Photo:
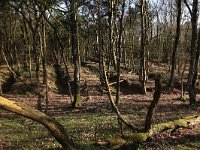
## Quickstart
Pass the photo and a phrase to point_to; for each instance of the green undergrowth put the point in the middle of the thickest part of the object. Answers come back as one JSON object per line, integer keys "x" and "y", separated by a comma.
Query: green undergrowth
{"x": 20, "y": 133}
{"x": 87, "y": 129}
{"x": 90, "y": 128}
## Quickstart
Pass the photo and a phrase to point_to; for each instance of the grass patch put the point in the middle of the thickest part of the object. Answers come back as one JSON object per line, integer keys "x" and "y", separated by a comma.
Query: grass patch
{"x": 25, "y": 134}
{"x": 89, "y": 128}
{"x": 86, "y": 129}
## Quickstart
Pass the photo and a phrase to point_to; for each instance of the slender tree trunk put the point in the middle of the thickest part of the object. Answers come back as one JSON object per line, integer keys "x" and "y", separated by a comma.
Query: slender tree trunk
{"x": 27, "y": 42}
{"x": 182, "y": 82}
{"x": 7, "y": 63}
{"x": 1, "y": 92}
{"x": 196, "y": 62}
{"x": 100, "y": 62}
{"x": 1, "y": 79}
{"x": 75, "y": 53}
{"x": 99, "y": 45}
{"x": 175, "y": 46}
{"x": 37, "y": 65}
{"x": 36, "y": 56}
{"x": 156, "y": 97}
{"x": 5, "y": 50}
{"x": 143, "y": 71}
{"x": 17, "y": 63}
{"x": 114, "y": 107}
{"x": 119, "y": 53}
{"x": 112, "y": 20}
{"x": 44, "y": 67}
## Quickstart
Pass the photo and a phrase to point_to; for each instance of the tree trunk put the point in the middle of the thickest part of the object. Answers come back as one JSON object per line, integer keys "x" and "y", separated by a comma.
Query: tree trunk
{"x": 112, "y": 37}
{"x": 156, "y": 97}
{"x": 196, "y": 62}
{"x": 100, "y": 45}
{"x": 56, "y": 129}
{"x": 143, "y": 71}
{"x": 192, "y": 96}
{"x": 44, "y": 68}
{"x": 182, "y": 97}
{"x": 28, "y": 63}
{"x": 174, "y": 53}
{"x": 1, "y": 93}
{"x": 120, "y": 117}
{"x": 75, "y": 53}
{"x": 119, "y": 53}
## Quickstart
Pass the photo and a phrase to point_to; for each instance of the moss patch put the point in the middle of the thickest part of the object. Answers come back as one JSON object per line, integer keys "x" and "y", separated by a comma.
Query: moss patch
{"x": 137, "y": 137}
{"x": 181, "y": 123}
{"x": 115, "y": 141}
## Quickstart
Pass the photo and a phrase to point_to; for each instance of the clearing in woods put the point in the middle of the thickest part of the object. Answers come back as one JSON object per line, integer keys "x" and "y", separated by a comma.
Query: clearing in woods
{"x": 95, "y": 124}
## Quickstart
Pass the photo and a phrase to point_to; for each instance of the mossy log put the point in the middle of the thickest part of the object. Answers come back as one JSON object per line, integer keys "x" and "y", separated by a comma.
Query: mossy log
{"x": 164, "y": 127}
{"x": 56, "y": 129}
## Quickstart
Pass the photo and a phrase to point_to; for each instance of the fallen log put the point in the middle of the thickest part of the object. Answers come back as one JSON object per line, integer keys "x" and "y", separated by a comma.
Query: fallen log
{"x": 56, "y": 129}
{"x": 164, "y": 127}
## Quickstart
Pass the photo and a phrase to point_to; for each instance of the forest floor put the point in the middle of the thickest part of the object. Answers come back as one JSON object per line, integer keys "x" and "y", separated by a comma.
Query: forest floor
{"x": 95, "y": 122}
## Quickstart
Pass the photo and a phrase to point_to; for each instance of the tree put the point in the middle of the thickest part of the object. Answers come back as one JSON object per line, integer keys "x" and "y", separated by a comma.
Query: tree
{"x": 175, "y": 46}
{"x": 143, "y": 59}
{"x": 75, "y": 52}
{"x": 196, "y": 62}
{"x": 119, "y": 51}
{"x": 1, "y": 80}
{"x": 112, "y": 16}
{"x": 156, "y": 97}
{"x": 42, "y": 36}
{"x": 193, "y": 50}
